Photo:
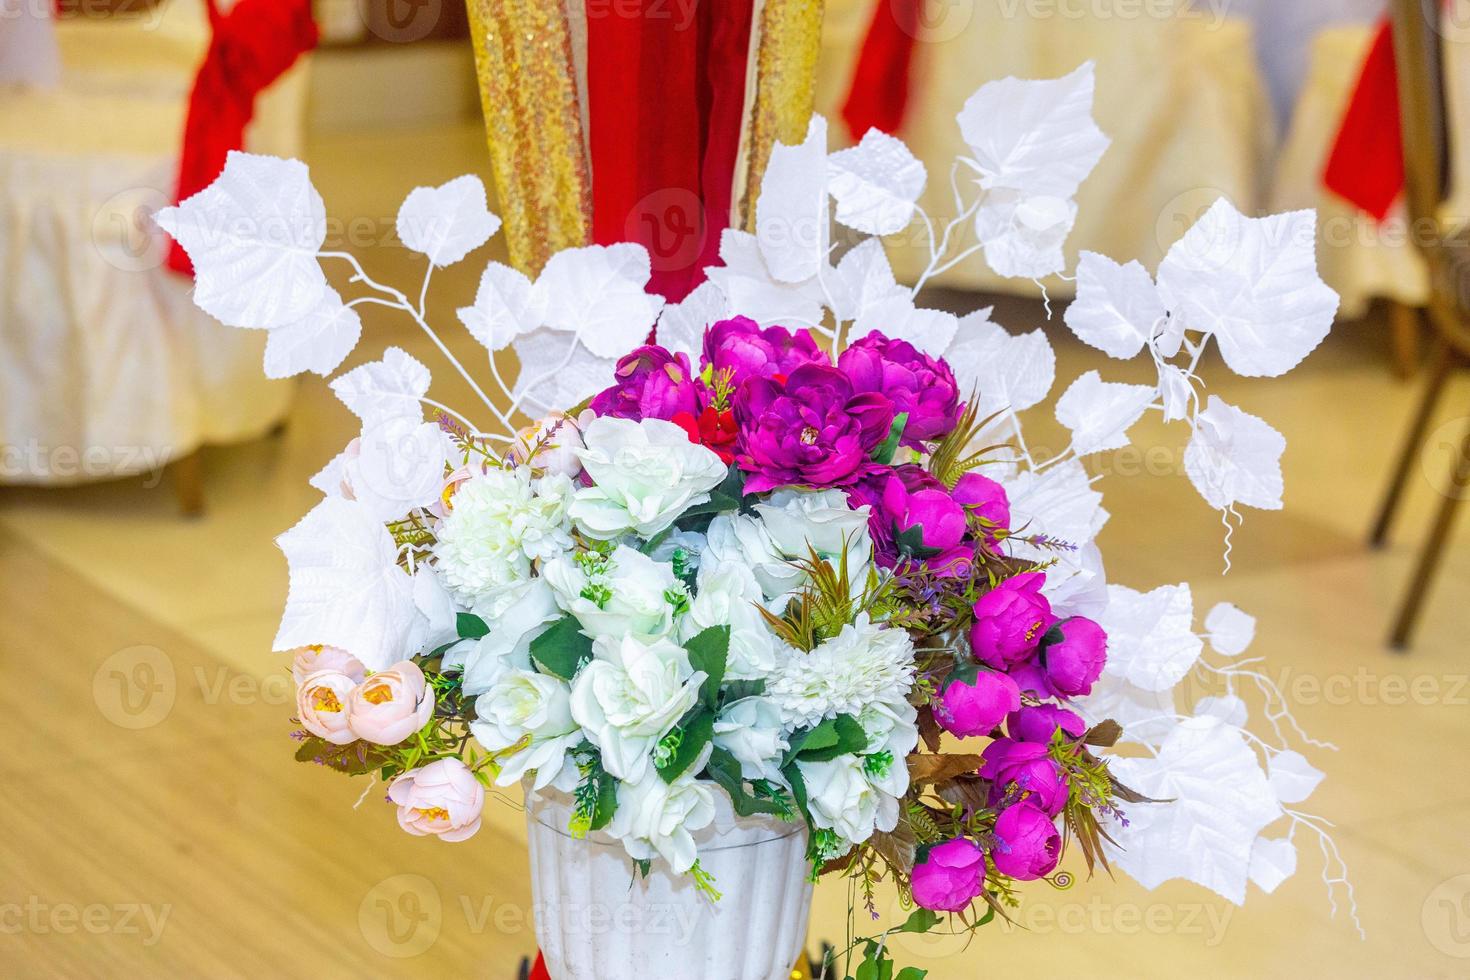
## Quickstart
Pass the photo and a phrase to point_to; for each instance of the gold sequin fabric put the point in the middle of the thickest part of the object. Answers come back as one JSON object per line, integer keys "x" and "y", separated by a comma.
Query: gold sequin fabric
{"x": 786, "y": 66}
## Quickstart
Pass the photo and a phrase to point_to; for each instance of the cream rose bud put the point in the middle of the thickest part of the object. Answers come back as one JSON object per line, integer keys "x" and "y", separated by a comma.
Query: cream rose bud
{"x": 624, "y": 593}
{"x": 507, "y": 646}
{"x": 550, "y": 446}
{"x": 728, "y": 595}
{"x": 309, "y": 660}
{"x": 841, "y": 798}
{"x": 644, "y": 474}
{"x": 442, "y": 799}
{"x": 526, "y": 704}
{"x": 659, "y": 819}
{"x": 391, "y": 704}
{"x": 630, "y": 696}
{"x": 322, "y": 703}
{"x": 751, "y": 731}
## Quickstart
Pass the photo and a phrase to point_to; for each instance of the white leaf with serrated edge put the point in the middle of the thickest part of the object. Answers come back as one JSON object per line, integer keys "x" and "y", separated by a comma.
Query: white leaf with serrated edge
{"x": 681, "y": 325}
{"x": 1023, "y": 235}
{"x": 597, "y": 292}
{"x": 1253, "y": 283}
{"x": 875, "y": 184}
{"x": 346, "y": 589}
{"x": 931, "y": 331}
{"x": 385, "y": 389}
{"x": 1235, "y": 458}
{"x": 557, "y": 371}
{"x": 1272, "y": 862}
{"x": 399, "y": 466}
{"x": 506, "y": 306}
{"x": 1229, "y": 630}
{"x": 1117, "y": 306}
{"x": 750, "y": 289}
{"x": 864, "y": 279}
{"x": 253, "y": 236}
{"x": 1099, "y": 413}
{"x": 1175, "y": 392}
{"x": 319, "y": 342}
{"x": 1059, "y": 504}
{"x": 1292, "y": 777}
{"x": 1151, "y": 640}
{"x": 447, "y": 222}
{"x": 1147, "y": 717}
{"x": 791, "y": 213}
{"x": 1010, "y": 372}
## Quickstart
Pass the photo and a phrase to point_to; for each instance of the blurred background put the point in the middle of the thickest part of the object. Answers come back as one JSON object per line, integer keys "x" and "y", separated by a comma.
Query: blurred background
{"x": 155, "y": 823}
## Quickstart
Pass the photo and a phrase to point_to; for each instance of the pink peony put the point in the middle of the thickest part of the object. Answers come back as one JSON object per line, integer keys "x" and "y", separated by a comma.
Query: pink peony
{"x": 1075, "y": 660}
{"x": 1024, "y": 771}
{"x": 1029, "y": 843}
{"x": 442, "y": 799}
{"x": 973, "y": 709}
{"x": 1010, "y": 621}
{"x": 986, "y": 500}
{"x": 950, "y": 876}
{"x": 309, "y": 660}
{"x": 322, "y": 702}
{"x": 391, "y": 704}
{"x": 1039, "y": 722}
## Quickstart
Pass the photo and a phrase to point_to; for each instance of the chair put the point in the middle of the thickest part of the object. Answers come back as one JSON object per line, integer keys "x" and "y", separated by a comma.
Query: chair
{"x": 1446, "y": 251}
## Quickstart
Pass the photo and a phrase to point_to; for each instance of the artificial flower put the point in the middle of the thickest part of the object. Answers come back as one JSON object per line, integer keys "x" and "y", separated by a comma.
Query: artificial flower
{"x": 624, "y": 593}
{"x": 971, "y": 709}
{"x": 913, "y": 518}
{"x": 1040, "y": 722}
{"x": 659, "y": 819}
{"x": 322, "y": 704}
{"x": 841, "y": 798}
{"x": 985, "y": 500}
{"x": 391, "y": 705}
{"x": 1074, "y": 660}
{"x": 1010, "y": 620}
{"x": 741, "y": 349}
{"x": 1029, "y": 846}
{"x": 550, "y": 445}
{"x": 727, "y": 594}
{"x": 1024, "y": 771}
{"x": 713, "y": 428}
{"x": 863, "y": 665}
{"x": 644, "y": 475}
{"x": 751, "y": 730}
{"x": 950, "y": 876}
{"x": 530, "y": 706}
{"x": 442, "y": 799}
{"x": 920, "y": 386}
{"x": 507, "y": 644}
{"x": 309, "y": 660}
{"x": 651, "y": 383}
{"x": 788, "y": 527}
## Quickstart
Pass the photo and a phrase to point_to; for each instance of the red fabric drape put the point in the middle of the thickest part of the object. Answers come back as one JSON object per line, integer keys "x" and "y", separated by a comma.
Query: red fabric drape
{"x": 878, "y": 95}
{"x": 250, "y": 47}
{"x": 1366, "y": 166}
{"x": 666, "y": 95}
{"x": 538, "y": 972}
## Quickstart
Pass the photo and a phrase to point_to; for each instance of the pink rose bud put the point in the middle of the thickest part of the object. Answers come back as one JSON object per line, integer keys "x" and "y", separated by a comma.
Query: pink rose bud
{"x": 972, "y": 709}
{"x": 1010, "y": 621}
{"x": 322, "y": 703}
{"x": 442, "y": 799}
{"x": 950, "y": 876}
{"x": 1040, "y": 722}
{"x": 1029, "y": 845}
{"x": 1075, "y": 660}
{"x": 391, "y": 705}
{"x": 550, "y": 446}
{"x": 309, "y": 660}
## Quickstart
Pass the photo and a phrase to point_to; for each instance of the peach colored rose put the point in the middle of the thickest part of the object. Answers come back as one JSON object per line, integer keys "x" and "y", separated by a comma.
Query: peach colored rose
{"x": 391, "y": 705}
{"x": 440, "y": 508}
{"x": 550, "y": 445}
{"x": 322, "y": 702}
{"x": 443, "y": 798}
{"x": 309, "y": 660}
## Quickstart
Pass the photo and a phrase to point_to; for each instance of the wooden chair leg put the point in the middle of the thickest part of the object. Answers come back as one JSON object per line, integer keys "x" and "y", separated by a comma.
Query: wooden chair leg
{"x": 1405, "y": 323}
{"x": 1439, "y": 535}
{"x": 1442, "y": 360}
{"x": 188, "y": 481}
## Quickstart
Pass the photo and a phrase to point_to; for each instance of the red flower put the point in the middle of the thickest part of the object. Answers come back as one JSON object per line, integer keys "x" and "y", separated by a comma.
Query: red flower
{"x": 713, "y": 429}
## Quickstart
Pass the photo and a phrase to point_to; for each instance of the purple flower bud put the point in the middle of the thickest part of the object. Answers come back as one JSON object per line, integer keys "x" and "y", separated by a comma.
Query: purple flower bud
{"x": 918, "y": 384}
{"x": 1039, "y": 722}
{"x": 973, "y": 709}
{"x": 741, "y": 346}
{"x": 1024, "y": 771}
{"x": 651, "y": 384}
{"x": 1073, "y": 662}
{"x": 950, "y": 876}
{"x": 1010, "y": 620}
{"x": 1029, "y": 843}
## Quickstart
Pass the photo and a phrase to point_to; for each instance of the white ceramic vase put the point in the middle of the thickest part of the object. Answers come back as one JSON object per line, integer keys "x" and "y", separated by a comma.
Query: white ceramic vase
{"x": 594, "y": 921}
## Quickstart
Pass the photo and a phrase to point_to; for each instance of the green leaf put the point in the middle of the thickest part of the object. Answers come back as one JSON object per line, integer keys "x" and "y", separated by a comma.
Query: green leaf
{"x": 910, "y": 542}
{"x": 740, "y": 690}
{"x": 889, "y": 447}
{"x": 354, "y": 758}
{"x": 725, "y": 497}
{"x": 833, "y": 737}
{"x": 911, "y": 973}
{"x": 921, "y": 921}
{"x": 562, "y": 650}
{"x": 724, "y": 769}
{"x": 695, "y": 732}
{"x": 470, "y": 627}
{"x": 708, "y": 651}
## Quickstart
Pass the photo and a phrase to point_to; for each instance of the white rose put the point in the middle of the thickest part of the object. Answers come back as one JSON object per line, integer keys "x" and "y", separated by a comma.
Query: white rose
{"x": 508, "y": 644}
{"x": 624, "y": 593}
{"x": 645, "y": 474}
{"x": 893, "y": 733}
{"x": 524, "y": 703}
{"x": 793, "y": 523}
{"x": 682, "y": 550}
{"x": 741, "y": 540}
{"x": 842, "y": 799}
{"x": 655, "y": 818}
{"x": 728, "y": 595}
{"x": 751, "y": 731}
{"x": 630, "y": 696}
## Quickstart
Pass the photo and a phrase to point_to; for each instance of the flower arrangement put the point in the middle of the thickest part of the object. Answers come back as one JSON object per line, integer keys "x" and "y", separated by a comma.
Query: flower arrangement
{"x": 795, "y": 550}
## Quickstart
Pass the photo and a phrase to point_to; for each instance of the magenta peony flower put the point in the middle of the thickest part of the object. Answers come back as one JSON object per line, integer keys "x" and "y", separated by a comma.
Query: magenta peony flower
{"x": 916, "y": 383}
{"x": 1010, "y": 620}
{"x": 443, "y": 799}
{"x": 1075, "y": 660}
{"x": 1029, "y": 843}
{"x": 741, "y": 346}
{"x": 972, "y": 709}
{"x": 950, "y": 876}
{"x": 809, "y": 430}
{"x": 1024, "y": 771}
{"x": 986, "y": 499}
{"x": 1039, "y": 722}
{"x": 651, "y": 384}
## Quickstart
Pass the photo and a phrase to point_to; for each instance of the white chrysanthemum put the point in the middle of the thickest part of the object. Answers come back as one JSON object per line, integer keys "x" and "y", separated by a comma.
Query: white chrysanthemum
{"x": 861, "y": 665}
{"x": 499, "y": 523}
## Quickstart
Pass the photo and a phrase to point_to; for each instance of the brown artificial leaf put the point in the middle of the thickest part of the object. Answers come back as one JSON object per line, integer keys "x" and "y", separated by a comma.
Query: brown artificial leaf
{"x": 354, "y": 759}
{"x": 941, "y": 768}
{"x": 897, "y": 847}
{"x": 929, "y": 730}
{"x": 1104, "y": 734}
{"x": 1130, "y": 795}
{"x": 971, "y": 792}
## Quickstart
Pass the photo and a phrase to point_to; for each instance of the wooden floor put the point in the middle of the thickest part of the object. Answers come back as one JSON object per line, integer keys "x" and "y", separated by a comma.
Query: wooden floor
{"x": 154, "y": 823}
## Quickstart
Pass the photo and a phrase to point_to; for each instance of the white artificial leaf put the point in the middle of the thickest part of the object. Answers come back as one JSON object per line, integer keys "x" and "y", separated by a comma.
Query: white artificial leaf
{"x": 875, "y": 184}
{"x": 319, "y": 342}
{"x": 385, "y": 389}
{"x": 1116, "y": 307}
{"x": 1009, "y": 372}
{"x": 346, "y": 589}
{"x": 437, "y": 606}
{"x": 1272, "y": 862}
{"x": 863, "y": 280}
{"x": 399, "y": 466}
{"x": 1100, "y": 412}
{"x": 1227, "y": 707}
{"x": 681, "y": 325}
{"x": 253, "y": 236}
{"x": 750, "y": 289}
{"x": 1151, "y": 640}
{"x": 1230, "y": 631}
{"x": 557, "y": 372}
{"x": 1023, "y": 235}
{"x": 931, "y": 331}
{"x": 1037, "y": 137}
{"x": 1076, "y": 584}
{"x": 1175, "y": 392}
{"x": 1220, "y": 803}
{"x": 1292, "y": 777}
{"x": 1234, "y": 457}
{"x": 598, "y": 292}
{"x": 791, "y": 213}
{"x": 1253, "y": 283}
{"x": 1059, "y": 504}
{"x": 506, "y": 306}
{"x": 332, "y": 480}
{"x": 1147, "y": 717}
{"x": 447, "y": 222}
